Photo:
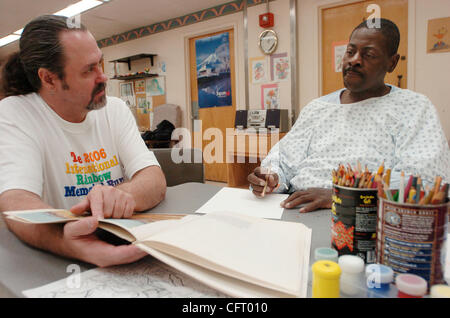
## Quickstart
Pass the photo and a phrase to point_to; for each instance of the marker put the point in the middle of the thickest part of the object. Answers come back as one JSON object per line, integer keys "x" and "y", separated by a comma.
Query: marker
{"x": 401, "y": 190}
{"x": 418, "y": 189}
{"x": 408, "y": 187}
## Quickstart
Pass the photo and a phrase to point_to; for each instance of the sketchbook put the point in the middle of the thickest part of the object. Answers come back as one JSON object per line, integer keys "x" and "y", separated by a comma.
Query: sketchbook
{"x": 238, "y": 255}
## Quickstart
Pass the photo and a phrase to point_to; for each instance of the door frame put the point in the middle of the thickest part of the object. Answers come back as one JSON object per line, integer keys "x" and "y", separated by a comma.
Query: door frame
{"x": 187, "y": 37}
{"x": 322, "y": 5}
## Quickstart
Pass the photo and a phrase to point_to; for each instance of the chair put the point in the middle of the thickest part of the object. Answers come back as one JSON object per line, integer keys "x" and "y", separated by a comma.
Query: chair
{"x": 177, "y": 173}
{"x": 169, "y": 112}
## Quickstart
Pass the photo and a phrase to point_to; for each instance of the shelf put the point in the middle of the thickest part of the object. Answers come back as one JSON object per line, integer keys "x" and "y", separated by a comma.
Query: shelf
{"x": 128, "y": 59}
{"x": 132, "y": 77}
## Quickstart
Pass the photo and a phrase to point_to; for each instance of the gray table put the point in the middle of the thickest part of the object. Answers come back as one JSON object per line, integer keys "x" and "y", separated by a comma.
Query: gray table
{"x": 23, "y": 267}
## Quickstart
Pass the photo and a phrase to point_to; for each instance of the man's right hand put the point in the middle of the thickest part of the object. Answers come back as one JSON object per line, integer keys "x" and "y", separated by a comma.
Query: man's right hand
{"x": 258, "y": 179}
{"x": 81, "y": 243}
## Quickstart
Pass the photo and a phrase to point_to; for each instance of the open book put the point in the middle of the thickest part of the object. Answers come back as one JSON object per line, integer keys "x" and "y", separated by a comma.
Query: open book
{"x": 238, "y": 255}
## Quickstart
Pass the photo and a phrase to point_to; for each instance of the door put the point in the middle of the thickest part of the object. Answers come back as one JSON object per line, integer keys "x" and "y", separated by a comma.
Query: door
{"x": 213, "y": 96}
{"x": 337, "y": 24}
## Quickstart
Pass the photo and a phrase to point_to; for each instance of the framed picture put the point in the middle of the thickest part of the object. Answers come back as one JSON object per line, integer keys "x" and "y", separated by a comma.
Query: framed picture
{"x": 280, "y": 67}
{"x": 127, "y": 93}
{"x": 258, "y": 69}
{"x": 212, "y": 56}
{"x": 270, "y": 96}
{"x": 438, "y": 35}
{"x": 339, "y": 49}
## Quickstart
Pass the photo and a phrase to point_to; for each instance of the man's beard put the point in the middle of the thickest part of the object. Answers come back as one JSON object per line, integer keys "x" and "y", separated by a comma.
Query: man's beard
{"x": 94, "y": 105}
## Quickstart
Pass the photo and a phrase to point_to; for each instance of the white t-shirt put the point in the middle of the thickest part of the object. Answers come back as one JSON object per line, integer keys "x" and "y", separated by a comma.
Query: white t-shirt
{"x": 61, "y": 161}
{"x": 401, "y": 128}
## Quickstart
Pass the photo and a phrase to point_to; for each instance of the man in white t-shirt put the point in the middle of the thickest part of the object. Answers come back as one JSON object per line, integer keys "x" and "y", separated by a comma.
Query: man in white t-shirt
{"x": 64, "y": 144}
{"x": 367, "y": 121}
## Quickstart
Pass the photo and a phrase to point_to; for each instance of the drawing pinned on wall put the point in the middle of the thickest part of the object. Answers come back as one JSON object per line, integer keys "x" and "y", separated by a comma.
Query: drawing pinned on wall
{"x": 270, "y": 96}
{"x": 438, "y": 35}
{"x": 279, "y": 67}
{"x": 139, "y": 86}
{"x": 127, "y": 94}
{"x": 212, "y": 56}
{"x": 155, "y": 86}
{"x": 258, "y": 69}
{"x": 338, "y": 49}
{"x": 142, "y": 104}
{"x": 161, "y": 68}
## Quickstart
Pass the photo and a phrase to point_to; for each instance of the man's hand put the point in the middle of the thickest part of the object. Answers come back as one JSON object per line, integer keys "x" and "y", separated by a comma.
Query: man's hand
{"x": 106, "y": 202}
{"x": 318, "y": 198}
{"x": 80, "y": 242}
{"x": 258, "y": 179}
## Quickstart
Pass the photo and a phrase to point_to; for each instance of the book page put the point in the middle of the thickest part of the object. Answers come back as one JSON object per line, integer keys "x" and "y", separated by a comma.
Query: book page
{"x": 244, "y": 202}
{"x": 263, "y": 252}
{"x": 42, "y": 216}
{"x": 222, "y": 283}
{"x": 143, "y": 279}
{"x": 123, "y": 228}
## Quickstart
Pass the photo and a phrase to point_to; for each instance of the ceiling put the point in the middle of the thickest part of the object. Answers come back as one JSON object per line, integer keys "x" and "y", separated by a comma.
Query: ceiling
{"x": 114, "y": 17}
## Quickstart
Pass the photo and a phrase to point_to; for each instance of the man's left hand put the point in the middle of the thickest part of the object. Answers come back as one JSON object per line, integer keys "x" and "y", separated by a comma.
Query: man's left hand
{"x": 106, "y": 202}
{"x": 317, "y": 198}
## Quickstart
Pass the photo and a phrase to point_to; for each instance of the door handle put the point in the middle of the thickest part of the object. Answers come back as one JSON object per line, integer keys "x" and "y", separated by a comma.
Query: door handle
{"x": 399, "y": 80}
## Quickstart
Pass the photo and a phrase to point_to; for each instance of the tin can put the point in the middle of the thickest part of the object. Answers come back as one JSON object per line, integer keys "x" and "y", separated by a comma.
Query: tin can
{"x": 354, "y": 222}
{"x": 411, "y": 238}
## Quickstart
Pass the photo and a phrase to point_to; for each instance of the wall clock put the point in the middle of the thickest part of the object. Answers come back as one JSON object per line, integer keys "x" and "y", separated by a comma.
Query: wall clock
{"x": 268, "y": 41}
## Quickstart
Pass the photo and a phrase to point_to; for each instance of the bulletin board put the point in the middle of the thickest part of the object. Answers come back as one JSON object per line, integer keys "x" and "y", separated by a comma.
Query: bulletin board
{"x": 144, "y": 98}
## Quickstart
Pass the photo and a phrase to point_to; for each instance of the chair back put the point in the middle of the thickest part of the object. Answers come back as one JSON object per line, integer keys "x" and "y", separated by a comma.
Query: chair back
{"x": 169, "y": 112}
{"x": 178, "y": 173}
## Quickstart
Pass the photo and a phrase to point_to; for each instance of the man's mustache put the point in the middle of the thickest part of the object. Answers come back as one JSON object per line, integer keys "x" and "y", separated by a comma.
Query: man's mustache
{"x": 351, "y": 69}
{"x": 100, "y": 87}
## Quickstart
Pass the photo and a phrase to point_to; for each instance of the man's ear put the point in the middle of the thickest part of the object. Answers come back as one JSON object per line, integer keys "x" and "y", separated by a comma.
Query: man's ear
{"x": 393, "y": 62}
{"x": 48, "y": 79}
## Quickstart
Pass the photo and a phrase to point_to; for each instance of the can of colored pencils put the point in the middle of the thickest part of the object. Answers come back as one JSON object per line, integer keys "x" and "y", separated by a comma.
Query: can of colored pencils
{"x": 354, "y": 221}
{"x": 411, "y": 238}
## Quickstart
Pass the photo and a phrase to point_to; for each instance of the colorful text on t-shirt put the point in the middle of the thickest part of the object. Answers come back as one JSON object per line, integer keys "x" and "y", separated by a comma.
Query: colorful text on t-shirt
{"x": 89, "y": 174}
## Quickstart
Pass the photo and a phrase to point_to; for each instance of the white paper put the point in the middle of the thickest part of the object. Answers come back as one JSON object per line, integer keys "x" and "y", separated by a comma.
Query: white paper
{"x": 144, "y": 279}
{"x": 244, "y": 202}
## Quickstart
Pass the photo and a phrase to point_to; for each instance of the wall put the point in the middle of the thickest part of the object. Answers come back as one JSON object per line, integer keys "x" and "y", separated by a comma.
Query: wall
{"x": 173, "y": 49}
{"x": 432, "y": 71}
{"x": 280, "y": 10}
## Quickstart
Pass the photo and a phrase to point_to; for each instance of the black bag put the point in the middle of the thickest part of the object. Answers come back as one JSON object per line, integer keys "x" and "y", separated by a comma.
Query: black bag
{"x": 163, "y": 131}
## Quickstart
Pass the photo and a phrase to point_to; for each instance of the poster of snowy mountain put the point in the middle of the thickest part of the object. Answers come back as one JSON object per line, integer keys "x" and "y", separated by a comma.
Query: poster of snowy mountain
{"x": 213, "y": 71}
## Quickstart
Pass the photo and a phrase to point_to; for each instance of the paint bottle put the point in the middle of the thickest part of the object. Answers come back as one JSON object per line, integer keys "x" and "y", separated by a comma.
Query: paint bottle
{"x": 378, "y": 281}
{"x": 325, "y": 282}
{"x": 325, "y": 253}
{"x": 351, "y": 278}
{"x": 410, "y": 286}
{"x": 440, "y": 291}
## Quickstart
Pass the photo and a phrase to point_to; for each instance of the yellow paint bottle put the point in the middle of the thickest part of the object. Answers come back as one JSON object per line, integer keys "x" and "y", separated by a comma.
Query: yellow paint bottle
{"x": 325, "y": 283}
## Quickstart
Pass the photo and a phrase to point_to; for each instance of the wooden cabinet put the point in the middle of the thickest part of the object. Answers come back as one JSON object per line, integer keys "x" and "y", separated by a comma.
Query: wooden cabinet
{"x": 244, "y": 152}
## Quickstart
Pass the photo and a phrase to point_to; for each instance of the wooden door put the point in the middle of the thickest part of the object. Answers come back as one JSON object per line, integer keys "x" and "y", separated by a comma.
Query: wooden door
{"x": 338, "y": 23}
{"x": 220, "y": 117}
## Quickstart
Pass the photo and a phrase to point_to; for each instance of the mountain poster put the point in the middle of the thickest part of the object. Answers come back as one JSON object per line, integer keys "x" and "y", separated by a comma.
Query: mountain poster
{"x": 213, "y": 71}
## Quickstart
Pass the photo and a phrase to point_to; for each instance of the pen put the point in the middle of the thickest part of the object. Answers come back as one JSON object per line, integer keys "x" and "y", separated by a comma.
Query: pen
{"x": 267, "y": 181}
